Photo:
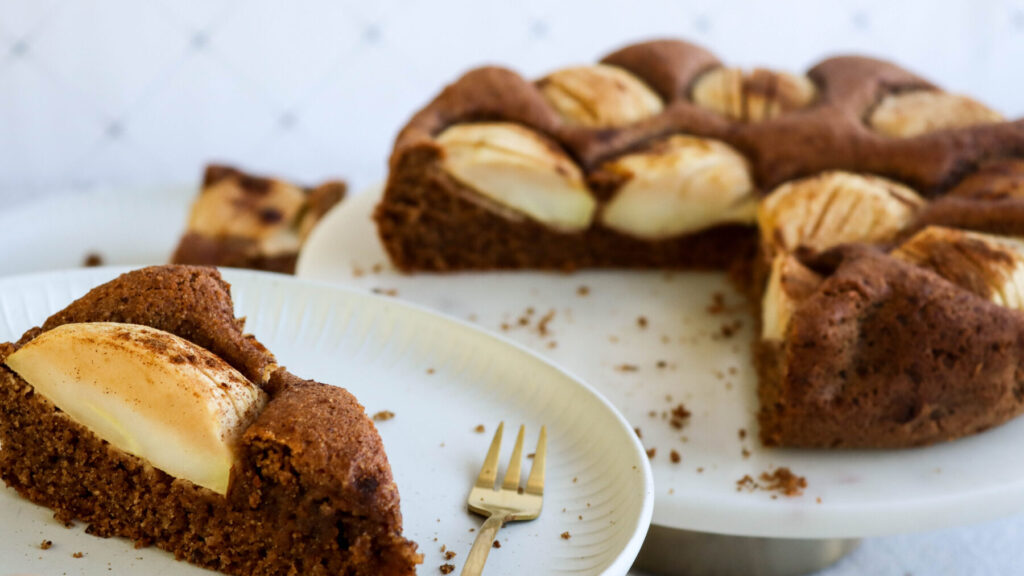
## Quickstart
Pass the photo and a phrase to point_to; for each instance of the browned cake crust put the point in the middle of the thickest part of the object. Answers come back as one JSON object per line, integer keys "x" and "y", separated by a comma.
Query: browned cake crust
{"x": 837, "y": 380}
{"x": 990, "y": 200}
{"x": 305, "y": 496}
{"x": 426, "y": 223}
{"x": 238, "y": 251}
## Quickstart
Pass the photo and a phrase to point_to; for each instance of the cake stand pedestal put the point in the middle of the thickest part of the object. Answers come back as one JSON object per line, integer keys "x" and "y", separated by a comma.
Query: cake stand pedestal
{"x": 671, "y": 552}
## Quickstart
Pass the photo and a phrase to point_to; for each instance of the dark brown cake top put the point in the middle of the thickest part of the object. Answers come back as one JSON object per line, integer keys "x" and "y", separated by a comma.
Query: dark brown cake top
{"x": 830, "y": 133}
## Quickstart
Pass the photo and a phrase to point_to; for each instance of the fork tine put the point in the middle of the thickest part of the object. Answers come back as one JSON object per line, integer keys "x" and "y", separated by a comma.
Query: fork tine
{"x": 512, "y": 475}
{"x": 489, "y": 472}
{"x": 535, "y": 483}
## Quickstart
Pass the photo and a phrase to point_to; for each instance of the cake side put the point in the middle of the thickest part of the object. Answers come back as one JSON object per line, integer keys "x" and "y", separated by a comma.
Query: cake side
{"x": 354, "y": 511}
{"x": 885, "y": 354}
{"x": 430, "y": 221}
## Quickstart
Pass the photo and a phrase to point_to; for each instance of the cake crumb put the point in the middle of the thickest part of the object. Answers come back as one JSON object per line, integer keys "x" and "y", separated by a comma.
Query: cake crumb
{"x": 785, "y": 481}
{"x": 717, "y": 305}
{"x": 46, "y": 544}
{"x": 746, "y": 483}
{"x": 430, "y": 370}
{"x": 728, "y": 330}
{"x": 679, "y": 417}
{"x": 385, "y": 291}
{"x": 449, "y": 554}
{"x": 781, "y": 480}
{"x": 479, "y": 429}
{"x": 552, "y": 345}
{"x": 651, "y": 452}
{"x": 639, "y": 434}
{"x": 92, "y": 260}
{"x": 575, "y": 479}
{"x": 662, "y": 364}
{"x": 377, "y": 268}
{"x": 700, "y": 470}
{"x": 447, "y": 568}
{"x": 78, "y": 555}
{"x": 641, "y": 321}
{"x": 745, "y": 453}
{"x": 675, "y": 457}
{"x": 542, "y": 326}
{"x": 496, "y": 544}
{"x": 583, "y": 290}
{"x": 627, "y": 367}
{"x": 383, "y": 416}
{"x": 742, "y": 433}
{"x": 357, "y": 272}
{"x": 566, "y": 535}
{"x": 818, "y": 499}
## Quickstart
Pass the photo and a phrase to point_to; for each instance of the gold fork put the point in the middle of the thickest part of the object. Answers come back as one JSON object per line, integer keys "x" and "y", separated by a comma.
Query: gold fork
{"x": 509, "y": 504}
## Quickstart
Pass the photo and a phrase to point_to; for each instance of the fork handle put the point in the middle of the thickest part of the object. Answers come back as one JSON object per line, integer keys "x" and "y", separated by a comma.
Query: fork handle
{"x": 474, "y": 565}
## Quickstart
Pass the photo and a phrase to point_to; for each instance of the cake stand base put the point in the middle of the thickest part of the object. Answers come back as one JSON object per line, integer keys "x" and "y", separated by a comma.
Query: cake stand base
{"x": 671, "y": 552}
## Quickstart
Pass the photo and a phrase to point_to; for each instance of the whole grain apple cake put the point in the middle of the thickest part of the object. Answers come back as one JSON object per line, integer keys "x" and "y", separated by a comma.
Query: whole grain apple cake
{"x": 241, "y": 220}
{"x": 868, "y": 213}
{"x": 143, "y": 410}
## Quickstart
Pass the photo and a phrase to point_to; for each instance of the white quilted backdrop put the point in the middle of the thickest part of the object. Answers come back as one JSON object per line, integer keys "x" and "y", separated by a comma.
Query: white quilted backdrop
{"x": 137, "y": 93}
{"x": 131, "y": 93}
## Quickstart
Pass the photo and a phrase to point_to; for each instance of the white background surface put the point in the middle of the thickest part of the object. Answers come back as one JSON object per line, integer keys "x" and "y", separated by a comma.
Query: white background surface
{"x": 96, "y": 92}
{"x": 142, "y": 93}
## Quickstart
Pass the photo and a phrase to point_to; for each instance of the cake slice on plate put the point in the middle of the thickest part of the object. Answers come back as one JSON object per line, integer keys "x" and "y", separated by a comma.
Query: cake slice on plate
{"x": 143, "y": 410}
{"x": 245, "y": 221}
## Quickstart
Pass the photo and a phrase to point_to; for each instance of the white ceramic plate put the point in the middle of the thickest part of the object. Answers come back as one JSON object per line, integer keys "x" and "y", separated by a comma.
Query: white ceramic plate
{"x": 864, "y": 493}
{"x": 123, "y": 227}
{"x": 598, "y": 485}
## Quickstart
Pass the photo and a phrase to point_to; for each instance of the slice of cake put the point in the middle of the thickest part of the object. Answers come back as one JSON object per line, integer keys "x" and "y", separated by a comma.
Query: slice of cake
{"x": 245, "y": 221}
{"x": 143, "y": 410}
{"x": 660, "y": 156}
{"x": 863, "y": 348}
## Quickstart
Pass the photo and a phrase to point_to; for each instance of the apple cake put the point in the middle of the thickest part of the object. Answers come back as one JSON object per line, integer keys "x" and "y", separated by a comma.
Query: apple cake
{"x": 143, "y": 410}
{"x": 868, "y": 214}
{"x": 245, "y": 221}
